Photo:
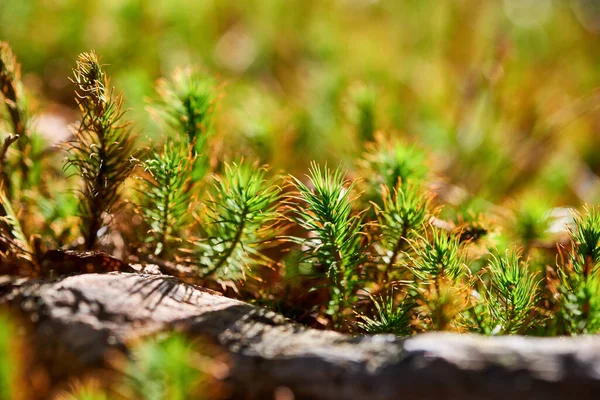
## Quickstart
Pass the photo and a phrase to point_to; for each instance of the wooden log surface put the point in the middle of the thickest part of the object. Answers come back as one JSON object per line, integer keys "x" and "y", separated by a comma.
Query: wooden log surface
{"x": 80, "y": 317}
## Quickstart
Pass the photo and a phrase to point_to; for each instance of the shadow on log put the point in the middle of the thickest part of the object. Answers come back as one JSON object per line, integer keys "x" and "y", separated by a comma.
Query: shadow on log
{"x": 80, "y": 318}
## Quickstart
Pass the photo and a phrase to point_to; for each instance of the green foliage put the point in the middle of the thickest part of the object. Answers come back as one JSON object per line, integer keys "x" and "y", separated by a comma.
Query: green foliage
{"x": 27, "y": 168}
{"x": 389, "y": 317}
{"x": 401, "y": 219}
{"x": 15, "y": 101}
{"x": 165, "y": 199}
{"x": 239, "y": 220}
{"x": 59, "y": 213}
{"x": 4, "y": 175}
{"x": 531, "y": 221}
{"x": 12, "y": 89}
{"x": 335, "y": 241}
{"x": 9, "y": 366}
{"x": 579, "y": 279}
{"x": 168, "y": 368}
{"x": 512, "y": 294}
{"x": 363, "y": 111}
{"x": 390, "y": 162}
{"x": 439, "y": 256}
{"x": 103, "y": 146}
{"x": 440, "y": 287}
{"x": 580, "y": 303}
{"x": 586, "y": 238}
{"x": 15, "y": 250}
{"x": 186, "y": 108}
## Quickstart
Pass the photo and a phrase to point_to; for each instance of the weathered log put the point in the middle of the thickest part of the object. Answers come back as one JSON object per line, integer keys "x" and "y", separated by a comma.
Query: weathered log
{"x": 85, "y": 315}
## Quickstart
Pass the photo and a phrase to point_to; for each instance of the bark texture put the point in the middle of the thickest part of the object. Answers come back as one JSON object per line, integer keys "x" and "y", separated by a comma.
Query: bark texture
{"x": 80, "y": 318}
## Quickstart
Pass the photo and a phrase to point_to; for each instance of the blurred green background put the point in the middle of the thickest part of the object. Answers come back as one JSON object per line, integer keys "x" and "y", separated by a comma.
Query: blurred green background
{"x": 501, "y": 94}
